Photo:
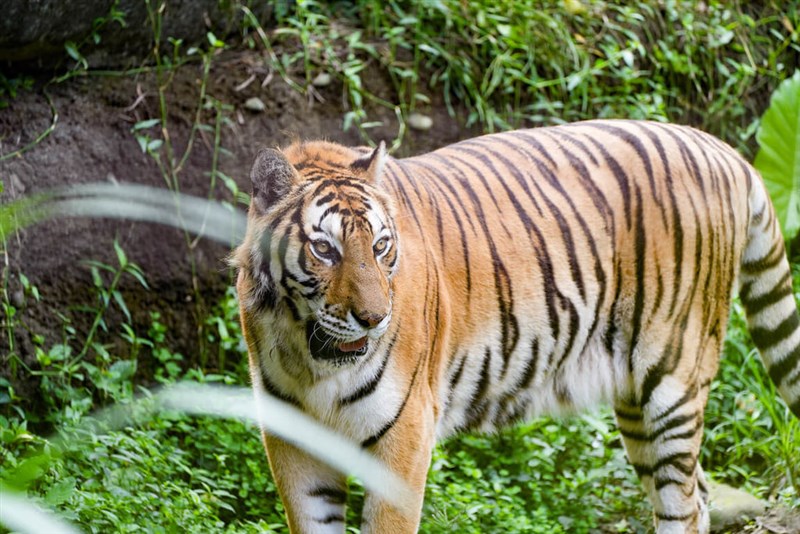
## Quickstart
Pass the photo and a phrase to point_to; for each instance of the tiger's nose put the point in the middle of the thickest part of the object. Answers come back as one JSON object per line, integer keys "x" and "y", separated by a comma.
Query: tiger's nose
{"x": 369, "y": 319}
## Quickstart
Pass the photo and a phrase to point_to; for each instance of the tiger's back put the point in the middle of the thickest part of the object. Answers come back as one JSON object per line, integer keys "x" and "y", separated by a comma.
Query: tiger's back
{"x": 516, "y": 274}
{"x": 572, "y": 257}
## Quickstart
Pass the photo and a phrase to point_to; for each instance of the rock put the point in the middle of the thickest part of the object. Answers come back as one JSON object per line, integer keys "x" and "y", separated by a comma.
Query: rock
{"x": 730, "y": 506}
{"x": 255, "y": 104}
{"x": 418, "y": 121}
{"x": 322, "y": 79}
{"x": 18, "y": 298}
{"x": 15, "y": 186}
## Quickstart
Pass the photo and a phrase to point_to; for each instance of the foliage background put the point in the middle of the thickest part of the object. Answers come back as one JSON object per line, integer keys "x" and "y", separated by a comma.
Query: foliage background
{"x": 493, "y": 65}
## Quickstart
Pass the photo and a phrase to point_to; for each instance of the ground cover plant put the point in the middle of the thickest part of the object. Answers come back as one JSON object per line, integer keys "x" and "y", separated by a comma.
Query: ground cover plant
{"x": 501, "y": 64}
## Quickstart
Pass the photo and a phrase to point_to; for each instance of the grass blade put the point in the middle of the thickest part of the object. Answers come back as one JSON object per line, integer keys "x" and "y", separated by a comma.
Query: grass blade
{"x": 23, "y": 515}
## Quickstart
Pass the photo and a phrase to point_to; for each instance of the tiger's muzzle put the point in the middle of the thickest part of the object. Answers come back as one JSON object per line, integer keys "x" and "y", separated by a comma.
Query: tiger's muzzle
{"x": 326, "y": 347}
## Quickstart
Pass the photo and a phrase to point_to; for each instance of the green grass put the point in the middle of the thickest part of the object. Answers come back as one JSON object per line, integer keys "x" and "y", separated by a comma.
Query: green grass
{"x": 172, "y": 471}
{"x": 514, "y": 63}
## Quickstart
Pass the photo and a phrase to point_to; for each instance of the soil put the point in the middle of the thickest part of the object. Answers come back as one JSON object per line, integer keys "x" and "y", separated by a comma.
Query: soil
{"x": 93, "y": 141}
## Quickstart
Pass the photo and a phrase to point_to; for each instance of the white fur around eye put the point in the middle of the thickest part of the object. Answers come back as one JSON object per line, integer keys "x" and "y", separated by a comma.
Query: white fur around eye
{"x": 324, "y": 250}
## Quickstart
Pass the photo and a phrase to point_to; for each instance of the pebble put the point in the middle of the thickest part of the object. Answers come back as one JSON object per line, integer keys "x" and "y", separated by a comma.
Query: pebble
{"x": 418, "y": 121}
{"x": 322, "y": 79}
{"x": 18, "y": 299}
{"x": 255, "y": 104}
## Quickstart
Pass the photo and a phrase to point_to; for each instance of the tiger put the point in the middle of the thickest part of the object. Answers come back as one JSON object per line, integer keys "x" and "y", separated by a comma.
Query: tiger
{"x": 518, "y": 274}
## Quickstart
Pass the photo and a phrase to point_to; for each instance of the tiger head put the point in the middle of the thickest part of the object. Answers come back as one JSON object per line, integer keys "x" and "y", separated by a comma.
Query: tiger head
{"x": 322, "y": 247}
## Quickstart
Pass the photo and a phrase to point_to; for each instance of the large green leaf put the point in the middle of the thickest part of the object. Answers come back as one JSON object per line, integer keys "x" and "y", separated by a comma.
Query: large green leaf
{"x": 778, "y": 159}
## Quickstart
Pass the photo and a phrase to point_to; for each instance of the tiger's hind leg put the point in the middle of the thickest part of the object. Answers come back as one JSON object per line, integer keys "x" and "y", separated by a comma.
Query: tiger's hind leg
{"x": 662, "y": 439}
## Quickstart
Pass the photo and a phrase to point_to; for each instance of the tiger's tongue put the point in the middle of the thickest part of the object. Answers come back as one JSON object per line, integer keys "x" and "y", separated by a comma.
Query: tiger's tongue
{"x": 352, "y": 346}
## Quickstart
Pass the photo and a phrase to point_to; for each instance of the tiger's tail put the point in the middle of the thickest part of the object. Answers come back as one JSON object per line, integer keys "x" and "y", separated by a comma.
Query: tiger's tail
{"x": 767, "y": 294}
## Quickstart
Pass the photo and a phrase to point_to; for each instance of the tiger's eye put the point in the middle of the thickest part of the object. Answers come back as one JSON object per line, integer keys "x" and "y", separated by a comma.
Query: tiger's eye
{"x": 322, "y": 247}
{"x": 381, "y": 245}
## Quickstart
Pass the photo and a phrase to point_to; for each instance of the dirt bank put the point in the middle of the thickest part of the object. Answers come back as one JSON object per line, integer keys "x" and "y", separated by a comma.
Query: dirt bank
{"x": 93, "y": 141}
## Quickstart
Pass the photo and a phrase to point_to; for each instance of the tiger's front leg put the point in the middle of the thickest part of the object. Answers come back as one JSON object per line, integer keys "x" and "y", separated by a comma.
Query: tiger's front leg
{"x": 406, "y": 450}
{"x": 313, "y": 494}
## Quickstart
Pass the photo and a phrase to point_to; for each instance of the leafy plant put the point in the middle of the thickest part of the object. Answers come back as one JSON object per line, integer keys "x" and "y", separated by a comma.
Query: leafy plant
{"x": 778, "y": 159}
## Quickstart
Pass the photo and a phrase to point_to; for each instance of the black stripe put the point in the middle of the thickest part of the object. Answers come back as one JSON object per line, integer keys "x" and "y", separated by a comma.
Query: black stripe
{"x": 781, "y": 290}
{"x": 326, "y": 198}
{"x": 597, "y": 195}
{"x": 623, "y": 413}
{"x": 330, "y": 495}
{"x": 503, "y": 290}
{"x": 506, "y": 414}
{"x": 678, "y": 460}
{"x": 686, "y": 434}
{"x": 332, "y": 518}
{"x": 455, "y": 379}
{"x": 670, "y": 517}
{"x": 372, "y": 440}
{"x": 611, "y": 330}
{"x": 661, "y": 431}
{"x": 659, "y": 286}
{"x": 765, "y": 338}
{"x": 530, "y": 366}
{"x": 664, "y": 482}
{"x": 270, "y": 388}
{"x": 795, "y": 407}
{"x": 529, "y": 136}
{"x": 662, "y": 155}
{"x": 768, "y": 261}
{"x": 688, "y": 158}
{"x": 640, "y": 246}
{"x": 416, "y": 186}
{"x": 666, "y": 364}
{"x": 395, "y": 181}
{"x": 483, "y": 384}
{"x": 677, "y": 225}
{"x": 793, "y": 379}
{"x": 543, "y": 258}
{"x": 265, "y": 293}
{"x": 601, "y": 204}
{"x": 564, "y": 226}
{"x": 619, "y": 174}
{"x": 635, "y": 435}
{"x": 479, "y": 404}
{"x": 685, "y": 462}
{"x": 728, "y": 197}
{"x": 369, "y": 387}
{"x": 463, "y": 149}
{"x": 755, "y": 219}
{"x": 598, "y": 199}
{"x": 701, "y": 483}
{"x": 464, "y": 242}
{"x": 690, "y": 394}
{"x": 779, "y": 372}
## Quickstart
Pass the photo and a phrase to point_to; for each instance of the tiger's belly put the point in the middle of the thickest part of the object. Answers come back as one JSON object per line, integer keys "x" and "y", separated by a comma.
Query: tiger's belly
{"x": 483, "y": 394}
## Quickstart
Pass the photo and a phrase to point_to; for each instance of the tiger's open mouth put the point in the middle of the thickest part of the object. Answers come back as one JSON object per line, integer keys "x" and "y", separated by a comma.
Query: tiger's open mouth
{"x": 323, "y": 346}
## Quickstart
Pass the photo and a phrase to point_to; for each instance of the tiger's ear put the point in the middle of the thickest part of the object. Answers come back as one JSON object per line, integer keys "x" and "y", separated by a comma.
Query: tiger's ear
{"x": 272, "y": 176}
{"x": 371, "y": 165}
